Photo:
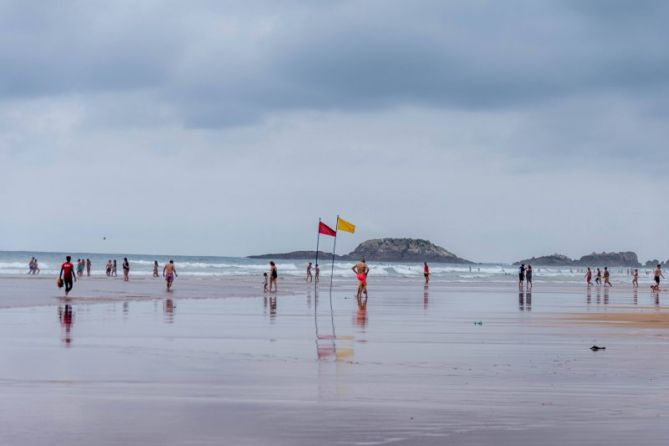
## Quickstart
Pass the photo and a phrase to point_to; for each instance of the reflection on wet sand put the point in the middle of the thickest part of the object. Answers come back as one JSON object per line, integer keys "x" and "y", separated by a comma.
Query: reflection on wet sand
{"x": 525, "y": 301}
{"x": 426, "y": 296}
{"x": 169, "y": 310}
{"x": 635, "y": 296}
{"x": 588, "y": 296}
{"x": 273, "y": 301}
{"x": 361, "y": 314}
{"x": 606, "y": 296}
{"x": 66, "y": 317}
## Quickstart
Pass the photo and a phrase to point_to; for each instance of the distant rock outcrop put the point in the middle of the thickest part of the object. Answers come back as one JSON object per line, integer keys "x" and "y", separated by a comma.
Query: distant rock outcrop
{"x": 551, "y": 260}
{"x": 627, "y": 258}
{"x": 602, "y": 259}
{"x": 403, "y": 250}
{"x": 381, "y": 250}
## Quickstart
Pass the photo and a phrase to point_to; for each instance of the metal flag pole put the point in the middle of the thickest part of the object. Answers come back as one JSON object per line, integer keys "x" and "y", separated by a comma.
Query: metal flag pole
{"x": 334, "y": 250}
{"x": 318, "y": 239}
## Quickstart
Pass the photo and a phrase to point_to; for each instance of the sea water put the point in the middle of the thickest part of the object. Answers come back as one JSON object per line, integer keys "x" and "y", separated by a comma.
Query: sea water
{"x": 16, "y": 263}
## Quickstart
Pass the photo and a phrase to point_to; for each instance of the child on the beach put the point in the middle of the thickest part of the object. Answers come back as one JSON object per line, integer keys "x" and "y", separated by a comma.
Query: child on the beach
{"x": 266, "y": 282}
{"x": 598, "y": 278}
{"x": 656, "y": 278}
{"x": 635, "y": 278}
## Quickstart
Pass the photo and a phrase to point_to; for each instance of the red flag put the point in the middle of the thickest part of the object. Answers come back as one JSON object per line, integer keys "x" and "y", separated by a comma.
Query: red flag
{"x": 326, "y": 230}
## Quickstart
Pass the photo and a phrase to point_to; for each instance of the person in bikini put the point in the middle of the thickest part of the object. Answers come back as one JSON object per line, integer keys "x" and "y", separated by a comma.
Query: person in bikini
{"x": 169, "y": 273}
{"x": 635, "y": 278}
{"x": 310, "y": 277}
{"x": 426, "y": 272}
{"x": 588, "y": 277}
{"x": 361, "y": 270}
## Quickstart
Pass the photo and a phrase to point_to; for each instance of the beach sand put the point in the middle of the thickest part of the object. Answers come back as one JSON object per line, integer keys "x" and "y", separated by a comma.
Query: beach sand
{"x": 216, "y": 362}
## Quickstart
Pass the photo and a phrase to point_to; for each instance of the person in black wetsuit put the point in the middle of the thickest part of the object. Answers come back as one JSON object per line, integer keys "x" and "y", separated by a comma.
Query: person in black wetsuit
{"x": 521, "y": 275}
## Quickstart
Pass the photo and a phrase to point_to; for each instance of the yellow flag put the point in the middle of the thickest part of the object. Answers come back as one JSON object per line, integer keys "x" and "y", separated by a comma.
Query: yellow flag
{"x": 345, "y": 226}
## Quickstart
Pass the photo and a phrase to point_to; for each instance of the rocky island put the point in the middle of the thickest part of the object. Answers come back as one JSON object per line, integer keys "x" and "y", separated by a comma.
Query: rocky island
{"x": 382, "y": 250}
{"x": 626, "y": 258}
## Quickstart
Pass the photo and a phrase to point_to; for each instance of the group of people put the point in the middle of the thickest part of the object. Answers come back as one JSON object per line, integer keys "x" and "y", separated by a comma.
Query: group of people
{"x": 310, "y": 276}
{"x": 83, "y": 264}
{"x": 606, "y": 275}
{"x": 69, "y": 273}
{"x": 33, "y": 266}
{"x": 525, "y": 275}
{"x": 271, "y": 278}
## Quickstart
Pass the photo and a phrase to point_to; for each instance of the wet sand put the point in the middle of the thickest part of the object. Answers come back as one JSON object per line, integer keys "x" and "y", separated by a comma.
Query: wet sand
{"x": 412, "y": 367}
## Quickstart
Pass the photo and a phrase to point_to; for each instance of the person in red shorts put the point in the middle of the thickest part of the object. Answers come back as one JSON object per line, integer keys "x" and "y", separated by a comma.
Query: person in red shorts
{"x": 67, "y": 274}
{"x": 426, "y": 272}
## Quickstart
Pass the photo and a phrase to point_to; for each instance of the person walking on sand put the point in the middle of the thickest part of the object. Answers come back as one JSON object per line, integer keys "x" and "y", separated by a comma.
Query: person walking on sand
{"x": 88, "y": 267}
{"x": 426, "y": 272}
{"x": 169, "y": 273}
{"x": 598, "y": 278}
{"x": 80, "y": 268}
{"x": 310, "y": 277}
{"x": 362, "y": 271}
{"x": 528, "y": 277}
{"x": 113, "y": 271}
{"x": 588, "y": 277}
{"x": 155, "y": 268}
{"x": 521, "y": 275}
{"x": 635, "y": 278}
{"x": 31, "y": 266}
{"x": 67, "y": 274}
{"x": 273, "y": 276}
{"x": 126, "y": 269}
{"x": 607, "y": 277}
{"x": 656, "y": 277}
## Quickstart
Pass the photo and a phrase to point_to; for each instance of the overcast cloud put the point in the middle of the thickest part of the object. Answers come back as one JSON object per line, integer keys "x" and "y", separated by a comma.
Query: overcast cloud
{"x": 498, "y": 130}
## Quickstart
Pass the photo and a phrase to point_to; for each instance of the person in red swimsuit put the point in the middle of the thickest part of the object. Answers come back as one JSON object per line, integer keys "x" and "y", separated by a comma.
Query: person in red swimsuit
{"x": 67, "y": 274}
{"x": 426, "y": 272}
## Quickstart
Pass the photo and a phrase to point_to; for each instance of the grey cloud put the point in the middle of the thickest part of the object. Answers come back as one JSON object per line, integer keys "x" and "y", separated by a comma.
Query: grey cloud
{"x": 221, "y": 64}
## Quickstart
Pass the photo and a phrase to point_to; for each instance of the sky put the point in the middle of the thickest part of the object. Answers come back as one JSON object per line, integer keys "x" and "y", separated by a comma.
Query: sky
{"x": 498, "y": 130}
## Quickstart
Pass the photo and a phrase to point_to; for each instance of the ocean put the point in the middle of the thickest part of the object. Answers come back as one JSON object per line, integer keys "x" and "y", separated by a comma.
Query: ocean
{"x": 16, "y": 263}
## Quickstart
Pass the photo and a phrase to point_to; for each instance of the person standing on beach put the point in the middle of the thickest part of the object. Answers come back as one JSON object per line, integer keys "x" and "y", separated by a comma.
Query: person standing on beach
{"x": 588, "y": 277}
{"x": 108, "y": 268}
{"x": 273, "y": 276}
{"x": 113, "y": 271}
{"x": 656, "y": 277}
{"x": 155, "y": 268}
{"x": 36, "y": 266}
{"x": 528, "y": 277}
{"x": 266, "y": 282}
{"x": 169, "y": 273}
{"x": 607, "y": 276}
{"x": 67, "y": 274}
{"x": 598, "y": 278}
{"x": 361, "y": 270}
{"x": 80, "y": 268}
{"x": 88, "y": 267}
{"x": 635, "y": 278}
{"x": 31, "y": 266}
{"x": 126, "y": 269}
{"x": 521, "y": 275}
{"x": 426, "y": 272}
{"x": 318, "y": 273}
{"x": 309, "y": 276}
